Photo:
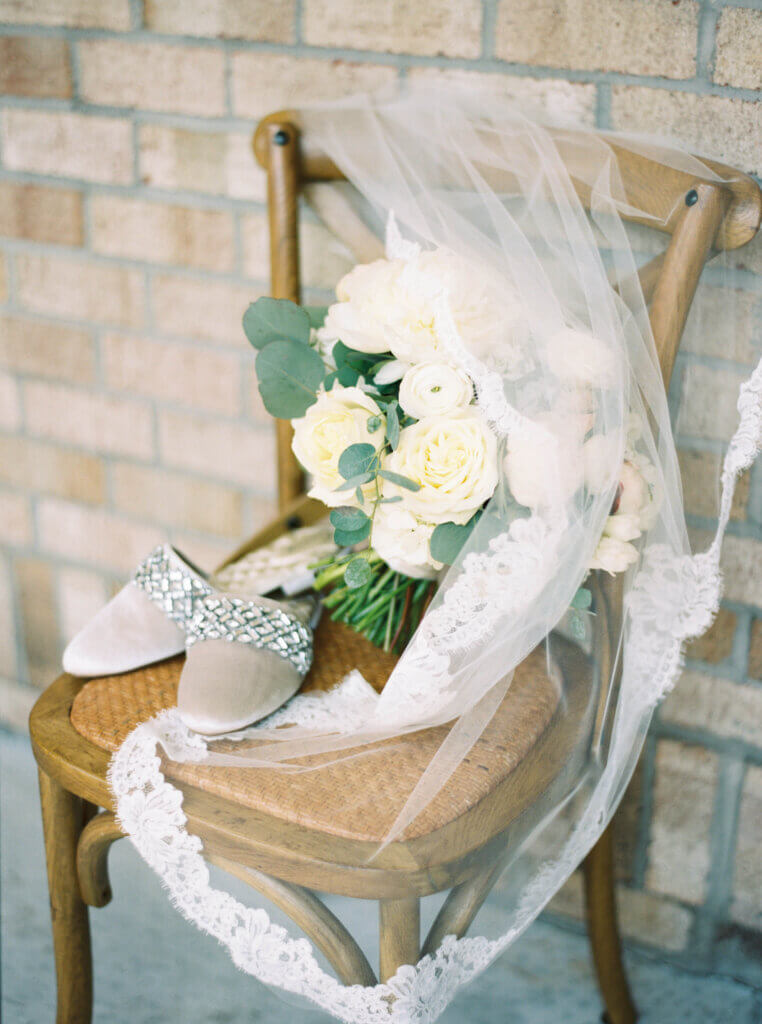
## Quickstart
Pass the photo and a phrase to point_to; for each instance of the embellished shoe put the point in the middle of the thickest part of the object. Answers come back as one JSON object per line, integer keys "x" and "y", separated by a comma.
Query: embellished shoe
{"x": 246, "y": 653}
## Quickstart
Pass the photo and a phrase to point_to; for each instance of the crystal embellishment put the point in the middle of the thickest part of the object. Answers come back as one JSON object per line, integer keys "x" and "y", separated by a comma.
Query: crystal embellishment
{"x": 205, "y": 614}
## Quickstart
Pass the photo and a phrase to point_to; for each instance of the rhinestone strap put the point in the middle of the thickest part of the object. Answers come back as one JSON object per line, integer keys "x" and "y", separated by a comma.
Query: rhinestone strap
{"x": 204, "y": 614}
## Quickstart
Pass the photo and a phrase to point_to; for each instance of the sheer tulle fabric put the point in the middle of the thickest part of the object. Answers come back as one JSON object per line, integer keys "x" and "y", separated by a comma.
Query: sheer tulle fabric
{"x": 486, "y": 183}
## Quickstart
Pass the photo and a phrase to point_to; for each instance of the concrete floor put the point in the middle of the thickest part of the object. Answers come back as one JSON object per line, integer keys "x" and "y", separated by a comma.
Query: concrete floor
{"x": 153, "y": 968}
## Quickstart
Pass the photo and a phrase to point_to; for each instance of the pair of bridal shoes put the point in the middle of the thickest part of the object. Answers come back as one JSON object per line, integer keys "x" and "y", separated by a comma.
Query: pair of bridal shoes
{"x": 247, "y": 654}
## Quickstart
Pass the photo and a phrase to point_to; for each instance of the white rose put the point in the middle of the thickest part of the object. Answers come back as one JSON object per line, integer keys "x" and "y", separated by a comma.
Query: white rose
{"x": 613, "y": 555}
{"x": 390, "y": 373}
{"x": 338, "y": 418}
{"x": 453, "y": 459}
{"x": 600, "y": 454}
{"x": 580, "y": 356}
{"x": 434, "y": 389}
{"x": 402, "y": 540}
{"x": 366, "y": 294}
{"x": 546, "y": 465}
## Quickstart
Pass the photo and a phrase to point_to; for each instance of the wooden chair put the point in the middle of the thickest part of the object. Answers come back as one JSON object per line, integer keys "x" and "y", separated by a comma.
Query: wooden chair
{"x": 291, "y": 836}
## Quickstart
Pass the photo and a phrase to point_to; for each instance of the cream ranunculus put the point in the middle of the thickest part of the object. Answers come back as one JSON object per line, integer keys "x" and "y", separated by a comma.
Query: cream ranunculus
{"x": 579, "y": 356}
{"x": 365, "y": 294}
{"x": 402, "y": 539}
{"x": 338, "y": 419}
{"x": 453, "y": 459}
{"x": 434, "y": 389}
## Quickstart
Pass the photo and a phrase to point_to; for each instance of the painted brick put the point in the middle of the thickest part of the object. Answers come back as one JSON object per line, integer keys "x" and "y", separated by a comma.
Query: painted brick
{"x": 34, "y": 581}
{"x": 16, "y": 519}
{"x": 724, "y": 324}
{"x": 82, "y": 289}
{"x": 47, "y": 469}
{"x": 738, "y": 48}
{"x": 228, "y": 19}
{"x": 264, "y": 82}
{"x": 96, "y": 422}
{"x": 3, "y": 278}
{"x": 83, "y": 146}
{"x": 217, "y": 448}
{"x": 41, "y": 214}
{"x": 741, "y": 565}
{"x": 16, "y": 703}
{"x": 202, "y": 550}
{"x": 644, "y": 38}
{"x": 181, "y": 501}
{"x": 755, "y": 650}
{"x": 436, "y": 27}
{"x": 210, "y": 162}
{"x": 8, "y": 664}
{"x": 162, "y": 233}
{"x": 153, "y": 76}
{"x": 197, "y": 308}
{"x": 81, "y": 595}
{"x": 172, "y": 372}
{"x": 700, "y": 472}
{"x": 10, "y": 406}
{"x": 94, "y": 536}
{"x": 717, "y": 643}
{"x": 325, "y": 258}
{"x": 46, "y": 349}
{"x": 113, "y": 14}
{"x": 35, "y": 66}
{"x": 572, "y": 102}
{"x": 718, "y": 419}
{"x": 683, "y": 803}
{"x": 747, "y": 880}
{"x": 726, "y": 128}
{"x": 701, "y": 701}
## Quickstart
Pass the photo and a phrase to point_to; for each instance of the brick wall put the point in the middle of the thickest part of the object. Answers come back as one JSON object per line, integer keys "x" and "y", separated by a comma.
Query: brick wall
{"x": 132, "y": 236}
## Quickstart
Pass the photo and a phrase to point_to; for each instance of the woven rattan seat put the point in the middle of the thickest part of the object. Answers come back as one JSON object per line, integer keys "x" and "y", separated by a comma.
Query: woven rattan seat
{"x": 356, "y": 798}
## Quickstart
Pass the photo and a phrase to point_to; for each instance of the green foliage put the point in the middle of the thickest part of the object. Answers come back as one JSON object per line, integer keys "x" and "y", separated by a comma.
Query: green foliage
{"x": 289, "y": 375}
{"x": 448, "y": 538}
{"x": 350, "y": 525}
{"x": 357, "y": 573}
{"x": 269, "y": 320}
{"x": 399, "y": 480}
{"x": 357, "y": 460}
{"x": 374, "y": 422}
{"x": 393, "y": 424}
{"x": 582, "y": 599}
{"x": 316, "y": 314}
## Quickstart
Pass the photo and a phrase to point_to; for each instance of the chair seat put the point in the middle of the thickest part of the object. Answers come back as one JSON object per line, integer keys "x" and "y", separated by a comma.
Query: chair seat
{"x": 356, "y": 798}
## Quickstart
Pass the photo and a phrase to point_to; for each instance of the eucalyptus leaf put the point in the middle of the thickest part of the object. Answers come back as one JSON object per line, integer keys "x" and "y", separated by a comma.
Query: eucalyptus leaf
{"x": 447, "y": 540}
{"x": 399, "y": 480}
{"x": 393, "y": 425}
{"x": 269, "y": 320}
{"x": 357, "y": 573}
{"x": 289, "y": 375}
{"x": 582, "y": 599}
{"x": 356, "y": 459}
{"x": 355, "y": 481}
{"x": 317, "y": 315}
{"x": 348, "y": 538}
{"x": 374, "y": 422}
{"x": 346, "y": 517}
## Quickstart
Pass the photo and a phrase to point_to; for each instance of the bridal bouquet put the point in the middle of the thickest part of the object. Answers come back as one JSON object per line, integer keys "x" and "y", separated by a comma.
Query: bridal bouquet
{"x": 387, "y": 425}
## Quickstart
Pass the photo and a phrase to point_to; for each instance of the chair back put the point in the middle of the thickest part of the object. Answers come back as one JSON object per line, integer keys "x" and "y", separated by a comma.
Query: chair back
{"x": 700, "y": 215}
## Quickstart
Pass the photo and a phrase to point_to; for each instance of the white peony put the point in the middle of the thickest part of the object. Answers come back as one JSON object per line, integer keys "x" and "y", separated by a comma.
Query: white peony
{"x": 366, "y": 295}
{"x": 402, "y": 539}
{"x": 395, "y": 306}
{"x": 338, "y": 419}
{"x": 545, "y": 466}
{"x": 579, "y": 356}
{"x": 453, "y": 459}
{"x": 434, "y": 389}
{"x": 613, "y": 555}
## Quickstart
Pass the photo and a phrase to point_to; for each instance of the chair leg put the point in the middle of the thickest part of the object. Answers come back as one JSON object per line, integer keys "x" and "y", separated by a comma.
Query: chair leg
{"x": 603, "y": 929}
{"x": 399, "y": 934}
{"x": 62, "y": 819}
